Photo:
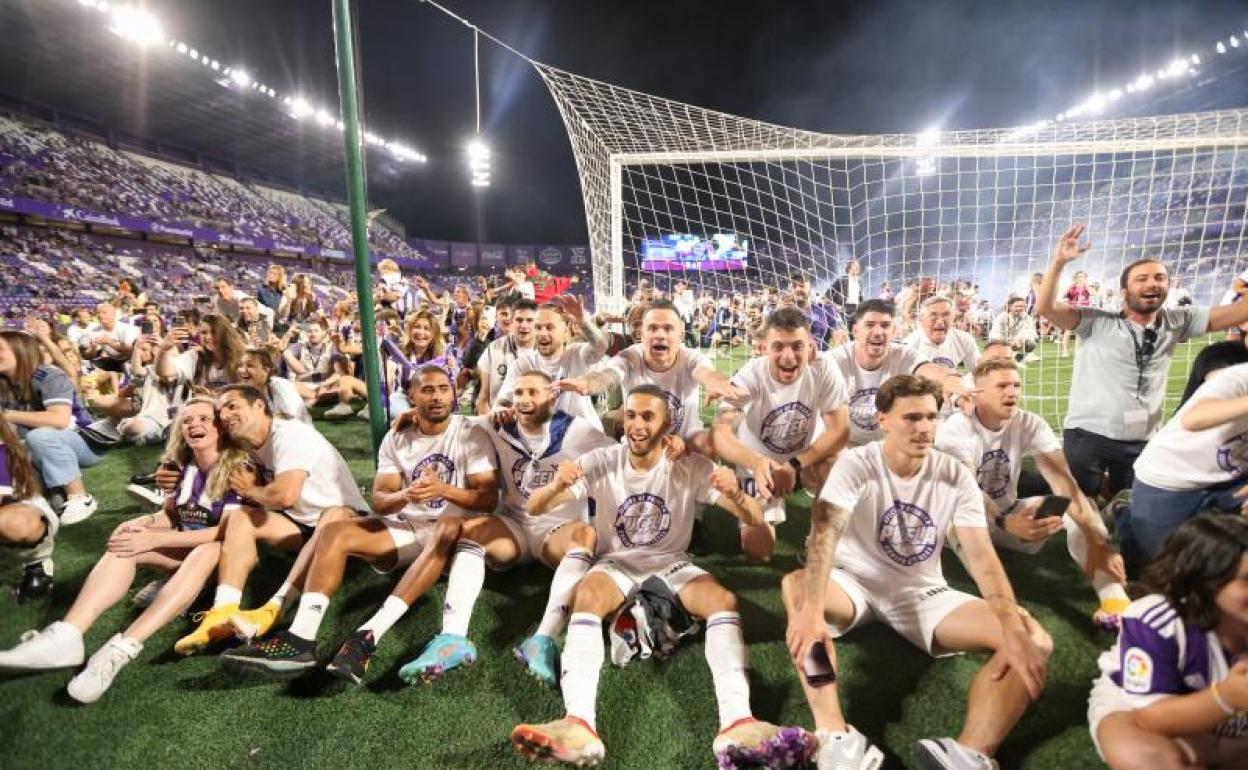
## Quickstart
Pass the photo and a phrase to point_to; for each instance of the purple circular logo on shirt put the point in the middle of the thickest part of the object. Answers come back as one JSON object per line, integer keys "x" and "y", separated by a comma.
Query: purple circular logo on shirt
{"x": 677, "y": 409}
{"x": 528, "y": 475}
{"x": 994, "y": 473}
{"x": 787, "y": 428}
{"x": 443, "y": 466}
{"x": 862, "y": 411}
{"x": 942, "y": 361}
{"x": 642, "y": 519}
{"x": 1233, "y": 455}
{"x": 907, "y": 534}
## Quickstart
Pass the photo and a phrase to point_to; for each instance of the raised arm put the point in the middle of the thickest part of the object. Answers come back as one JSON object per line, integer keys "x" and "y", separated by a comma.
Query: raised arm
{"x": 1048, "y": 305}
{"x": 718, "y": 385}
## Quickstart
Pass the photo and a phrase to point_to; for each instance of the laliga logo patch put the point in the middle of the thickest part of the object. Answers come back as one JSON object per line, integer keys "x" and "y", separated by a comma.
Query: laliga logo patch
{"x": 907, "y": 534}
{"x": 642, "y": 519}
{"x": 994, "y": 473}
{"x": 862, "y": 409}
{"x": 529, "y": 476}
{"x": 1137, "y": 671}
{"x": 786, "y": 428}
{"x": 1233, "y": 455}
{"x": 443, "y": 467}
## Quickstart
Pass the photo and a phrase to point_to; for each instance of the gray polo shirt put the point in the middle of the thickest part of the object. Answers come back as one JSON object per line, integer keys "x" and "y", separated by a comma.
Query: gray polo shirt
{"x": 1108, "y": 388}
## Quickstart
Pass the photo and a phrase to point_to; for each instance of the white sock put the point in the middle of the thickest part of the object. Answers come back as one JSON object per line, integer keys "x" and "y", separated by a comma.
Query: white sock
{"x": 463, "y": 586}
{"x": 308, "y": 619}
{"x": 725, "y": 654}
{"x": 572, "y": 567}
{"x": 583, "y": 654}
{"x": 227, "y": 595}
{"x": 288, "y": 593}
{"x": 1106, "y": 587}
{"x": 384, "y": 619}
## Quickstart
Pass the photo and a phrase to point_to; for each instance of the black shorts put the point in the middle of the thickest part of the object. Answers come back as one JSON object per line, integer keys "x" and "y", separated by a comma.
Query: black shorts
{"x": 304, "y": 530}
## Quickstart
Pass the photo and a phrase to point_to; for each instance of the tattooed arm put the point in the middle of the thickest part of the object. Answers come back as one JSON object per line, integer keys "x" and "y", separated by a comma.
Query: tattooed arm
{"x": 807, "y": 625}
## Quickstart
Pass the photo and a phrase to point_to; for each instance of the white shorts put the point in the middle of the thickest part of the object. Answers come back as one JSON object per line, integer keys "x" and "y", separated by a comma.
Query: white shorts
{"x": 409, "y": 536}
{"x": 531, "y": 535}
{"x": 1108, "y": 698}
{"x": 912, "y": 611}
{"x": 773, "y": 507}
{"x": 677, "y": 575}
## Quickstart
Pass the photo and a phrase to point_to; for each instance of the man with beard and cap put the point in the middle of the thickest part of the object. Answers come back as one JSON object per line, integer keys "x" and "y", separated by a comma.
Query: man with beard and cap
{"x": 530, "y": 449}
{"x": 1121, "y": 362}
{"x": 500, "y": 356}
{"x": 872, "y": 358}
{"x": 936, "y": 339}
{"x": 432, "y": 473}
{"x": 662, "y": 360}
{"x": 557, "y": 357}
{"x": 791, "y": 422}
{"x": 646, "y": 504}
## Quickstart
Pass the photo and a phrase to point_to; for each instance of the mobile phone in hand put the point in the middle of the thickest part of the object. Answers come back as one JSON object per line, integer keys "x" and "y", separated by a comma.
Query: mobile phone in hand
{"x": 1052, "y": 505}
{"x": 817, "y": 666}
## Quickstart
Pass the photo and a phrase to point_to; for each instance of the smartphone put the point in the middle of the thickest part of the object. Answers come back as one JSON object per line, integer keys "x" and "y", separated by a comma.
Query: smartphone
{"x": 817, "y": 666}
{"x": 146, "y": 327}
{"x": 1052, "y": 505}
{"x": 171, "y": 465}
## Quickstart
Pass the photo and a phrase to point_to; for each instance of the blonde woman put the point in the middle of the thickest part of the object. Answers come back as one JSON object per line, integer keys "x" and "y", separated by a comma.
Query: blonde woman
{"x": 181, "y": 540}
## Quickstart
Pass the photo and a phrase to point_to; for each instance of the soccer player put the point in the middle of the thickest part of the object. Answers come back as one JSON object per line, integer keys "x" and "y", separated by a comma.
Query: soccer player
{"x": 784, "y": 433}
{"x": 1173, "y": 690}
{"x": 297, "y": 478}
{"x": 440, "y": 466}
{"x": 529, "y": 450}
{"x": 500, "y": 355}
{"x": 1196, "y": 463}
{"x": 1121, "y": 363}
{"x": 992, "y": 441}
{"x": 554, "y": 354}
{"x": 877, "y": 531}
{"x": 661, "y": 359}
{"x": 936, "y": 339}
{"x": 645, "y": 516}
{"x": 871, "y": 359}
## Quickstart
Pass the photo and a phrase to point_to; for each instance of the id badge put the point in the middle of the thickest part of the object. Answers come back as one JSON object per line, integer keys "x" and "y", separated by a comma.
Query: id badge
{"x": 1135, "y": 425}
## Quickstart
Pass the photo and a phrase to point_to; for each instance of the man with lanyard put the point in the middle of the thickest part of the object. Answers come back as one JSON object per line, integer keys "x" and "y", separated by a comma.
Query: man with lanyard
{"x": 1121, "y": 362}
{"x": 501, "y": 354}
{"x": 554, "y": 355}
{"x": 871, "y": 359}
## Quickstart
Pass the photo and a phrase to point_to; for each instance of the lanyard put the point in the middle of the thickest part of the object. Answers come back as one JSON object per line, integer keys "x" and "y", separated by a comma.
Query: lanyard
{"x": 1142, "y": 356}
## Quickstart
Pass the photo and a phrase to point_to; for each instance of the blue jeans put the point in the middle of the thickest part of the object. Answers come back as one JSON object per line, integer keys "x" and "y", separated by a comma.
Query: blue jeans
{"x": 59, "y": 454}
{"x": 1155, "y": 513}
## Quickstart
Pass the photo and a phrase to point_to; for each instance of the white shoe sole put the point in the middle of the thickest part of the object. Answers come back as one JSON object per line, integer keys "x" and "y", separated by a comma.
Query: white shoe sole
{"x": 145, "y": 495}
{"x": 77, "y": 518}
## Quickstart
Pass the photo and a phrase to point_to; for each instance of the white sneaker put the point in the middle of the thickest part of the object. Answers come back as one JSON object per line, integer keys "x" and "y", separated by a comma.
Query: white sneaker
{"x": 78, "y": 508}
{"x": 94, "y": 680}
{"x": 146, "y": 495}
{"x": 147, "y": 594}
{"x": 849, "y": 750}
{"x": 948, "y": 754}
{"x": 340, "y": 410}
{"x": 57, "y": 646}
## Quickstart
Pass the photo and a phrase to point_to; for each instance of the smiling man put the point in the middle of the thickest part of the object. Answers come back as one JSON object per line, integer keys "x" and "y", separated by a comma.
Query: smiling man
{"x": 1119, "y": 383}
{"x": 936, "y": 339}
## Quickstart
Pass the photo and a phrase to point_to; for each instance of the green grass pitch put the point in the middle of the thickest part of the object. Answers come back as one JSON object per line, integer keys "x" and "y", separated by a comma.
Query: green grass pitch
{"x": 167, "y": 711}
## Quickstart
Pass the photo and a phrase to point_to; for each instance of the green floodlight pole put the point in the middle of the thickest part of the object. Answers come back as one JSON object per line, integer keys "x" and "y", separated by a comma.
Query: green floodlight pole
{"x": 357, "y": 195}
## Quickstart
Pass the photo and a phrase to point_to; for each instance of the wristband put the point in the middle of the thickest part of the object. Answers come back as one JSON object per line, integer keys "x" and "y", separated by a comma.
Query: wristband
{"x": 1217, "y": 698}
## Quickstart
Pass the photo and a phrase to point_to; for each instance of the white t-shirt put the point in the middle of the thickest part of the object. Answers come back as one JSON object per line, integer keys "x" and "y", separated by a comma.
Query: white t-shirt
{"x": 644, "y": 520}
{"x": 284, "y": 399}
{"x": 460, "y": 451}
{"x": 497, "y": 360}
{"x": 573, "y": 361}
{"x": 863, "y": 384}
{"x": 782, "y": 420}
{"x": 897, "y": 527}
{"x": 185, "y": 362}
{"x": 121, "y": 333}
{"x": 294, "y": 445}
{"x": 681, "y": 389}
{"x": 996, "y": 457}
{"x": 1181, "y": 460}
{"x": 528, "y": 462}
{"x": 958, "y": 349}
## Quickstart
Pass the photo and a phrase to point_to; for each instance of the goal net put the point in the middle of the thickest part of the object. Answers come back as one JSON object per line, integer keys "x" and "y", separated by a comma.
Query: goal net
{"x": 739, "y": 209}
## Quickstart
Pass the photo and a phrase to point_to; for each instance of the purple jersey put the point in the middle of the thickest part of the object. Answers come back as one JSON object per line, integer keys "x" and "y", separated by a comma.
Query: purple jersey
{"x": 195, "y": 508}
{"x": 1158, "y": 654}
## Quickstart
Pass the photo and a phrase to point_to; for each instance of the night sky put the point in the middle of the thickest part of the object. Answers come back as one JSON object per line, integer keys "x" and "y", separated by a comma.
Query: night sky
{"x": 862, "y": 67}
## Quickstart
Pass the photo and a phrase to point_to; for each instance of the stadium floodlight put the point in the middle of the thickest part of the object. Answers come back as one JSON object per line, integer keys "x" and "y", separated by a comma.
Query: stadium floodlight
{"x": 1234, "y": 41}
{"x": 300, "y": 108}
{"x": 324, "y": 118}
{"x": 1220, "y": 47}
{"x": 1194, "y": 59}
{"x": 241, "y": 78}
{"x": 136, "y": 25}
{"x": 479, "y": 162}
